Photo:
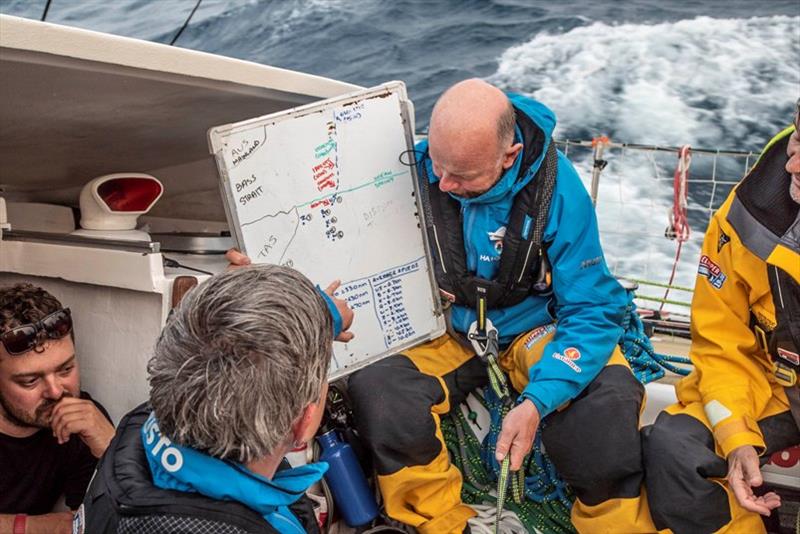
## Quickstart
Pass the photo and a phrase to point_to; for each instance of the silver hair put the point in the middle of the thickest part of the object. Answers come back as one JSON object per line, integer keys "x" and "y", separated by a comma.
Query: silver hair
{"x": 238, "y": 361}
{"x": 505, "y": 127}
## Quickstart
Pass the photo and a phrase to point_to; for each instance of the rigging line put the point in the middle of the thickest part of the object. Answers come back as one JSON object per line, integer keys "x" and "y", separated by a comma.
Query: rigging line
{"x": 46, "y": 9}
{"x": 658, "y": 148}
{"x": 185, "y": 24}
{"x": 174, "y": 264}
{"x": 679, "y": 222}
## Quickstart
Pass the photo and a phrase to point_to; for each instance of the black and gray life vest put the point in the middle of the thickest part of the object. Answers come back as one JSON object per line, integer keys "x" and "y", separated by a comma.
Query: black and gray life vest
{"x": 122, "y": 498}
{"x": 765, "y": 217}
{"x": 523, "y": 268}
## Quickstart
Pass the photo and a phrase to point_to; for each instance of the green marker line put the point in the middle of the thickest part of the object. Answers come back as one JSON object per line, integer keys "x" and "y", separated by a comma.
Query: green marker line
{"x": 376, "y": 180}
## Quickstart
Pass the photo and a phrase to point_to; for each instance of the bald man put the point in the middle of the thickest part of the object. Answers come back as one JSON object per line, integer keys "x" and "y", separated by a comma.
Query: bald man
{"x": 509, "y": 219}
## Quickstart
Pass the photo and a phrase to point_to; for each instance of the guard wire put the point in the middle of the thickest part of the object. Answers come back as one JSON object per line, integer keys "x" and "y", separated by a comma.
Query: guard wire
{"x": 46, "y": 9}
{"x": 174, "y": 264}
{"x": 185, "y": 23}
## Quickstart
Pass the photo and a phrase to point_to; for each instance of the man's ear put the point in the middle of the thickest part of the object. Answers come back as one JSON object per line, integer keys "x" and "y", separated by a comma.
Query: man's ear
{"x": 305, "y": 427}
{"x": 510, "y": 155}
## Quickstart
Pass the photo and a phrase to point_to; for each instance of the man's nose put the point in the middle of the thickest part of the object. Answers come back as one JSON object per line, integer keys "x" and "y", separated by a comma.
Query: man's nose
{"x": 446, "y": 183}
{"x": 53, "y": 387}
{"x": 793, "y": 165}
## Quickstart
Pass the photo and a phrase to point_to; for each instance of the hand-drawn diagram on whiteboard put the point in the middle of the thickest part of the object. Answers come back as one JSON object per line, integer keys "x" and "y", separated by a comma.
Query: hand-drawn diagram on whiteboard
{"x": 323, "y": 189}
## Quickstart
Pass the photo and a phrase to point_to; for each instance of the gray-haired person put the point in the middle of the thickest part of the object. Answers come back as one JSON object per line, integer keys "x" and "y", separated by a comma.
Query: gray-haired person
{"x": 238, "y": 378}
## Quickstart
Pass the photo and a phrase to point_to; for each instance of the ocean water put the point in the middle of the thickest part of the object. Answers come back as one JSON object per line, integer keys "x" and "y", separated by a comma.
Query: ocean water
{"x": 712, "y": 73}
{"x": 718, "y": 74}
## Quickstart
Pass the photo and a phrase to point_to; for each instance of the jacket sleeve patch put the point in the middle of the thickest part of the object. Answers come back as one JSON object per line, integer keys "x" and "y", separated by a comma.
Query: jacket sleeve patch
{"x": 592, "y": 261}
{"x": 789, "y": 356}
{"x": 570, "y": 355}
{"x": 711, "y": 270}
{"x": 538, "y": 333}
{"x": 716, "y": 412}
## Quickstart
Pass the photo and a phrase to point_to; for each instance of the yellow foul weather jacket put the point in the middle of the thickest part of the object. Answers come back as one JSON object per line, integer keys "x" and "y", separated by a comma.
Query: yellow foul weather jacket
{"x": 749, "y": 241}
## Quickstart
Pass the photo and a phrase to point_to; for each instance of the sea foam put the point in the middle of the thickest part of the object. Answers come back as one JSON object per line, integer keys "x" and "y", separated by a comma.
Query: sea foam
{"x": 711, "y": 83}
{"x": 664, "y": 83}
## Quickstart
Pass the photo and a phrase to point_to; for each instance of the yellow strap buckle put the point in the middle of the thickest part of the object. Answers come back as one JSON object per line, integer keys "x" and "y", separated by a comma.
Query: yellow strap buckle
{"x": 761, "y": 337}
{"x": 786, "y": 376}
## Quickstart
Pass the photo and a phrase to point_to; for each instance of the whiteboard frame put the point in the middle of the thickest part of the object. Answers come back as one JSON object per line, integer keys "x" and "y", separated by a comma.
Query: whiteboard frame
{"x": 217, "y": 143}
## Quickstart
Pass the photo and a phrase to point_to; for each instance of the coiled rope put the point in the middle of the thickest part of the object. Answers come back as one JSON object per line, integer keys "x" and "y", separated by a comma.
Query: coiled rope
{"x": 678, "y": 221}
{"x": 647, "y": 364}
{"x": 485, "y": 521}
{"x": 678, "y": 228}
{"x": 541, "y": 500}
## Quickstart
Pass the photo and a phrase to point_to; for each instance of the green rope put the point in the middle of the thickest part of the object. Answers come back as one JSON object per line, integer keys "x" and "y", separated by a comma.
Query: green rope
{"x": 659, "y": 284}
{"x": 476, "y": 487}
{"x": 549, "y": 515}
{"x": 498, "y": 379}
{"x": 500, "y": 387}
{"x": 502, "y": 487}
{"x": 540, "y": 499}
{"x": 667, "y": 301}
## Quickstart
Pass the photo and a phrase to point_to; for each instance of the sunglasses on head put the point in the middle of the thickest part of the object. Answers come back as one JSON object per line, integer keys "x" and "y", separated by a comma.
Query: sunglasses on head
{"x": 23, "y": 338}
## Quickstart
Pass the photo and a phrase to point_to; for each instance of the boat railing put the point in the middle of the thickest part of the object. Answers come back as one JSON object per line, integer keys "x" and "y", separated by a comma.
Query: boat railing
{"x": 601, "y": 147}
{"x": 633, "y": 188}
{"x": 636, "y": 191}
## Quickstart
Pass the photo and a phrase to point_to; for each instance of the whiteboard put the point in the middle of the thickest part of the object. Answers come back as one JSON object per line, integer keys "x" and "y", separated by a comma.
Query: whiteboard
{"x": 328, "y": 190}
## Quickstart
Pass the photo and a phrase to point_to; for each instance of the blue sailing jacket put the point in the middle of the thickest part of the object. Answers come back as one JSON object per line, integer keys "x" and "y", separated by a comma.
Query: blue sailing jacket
{"x": 181, "y": 468}
{"x": 587, "y": 302}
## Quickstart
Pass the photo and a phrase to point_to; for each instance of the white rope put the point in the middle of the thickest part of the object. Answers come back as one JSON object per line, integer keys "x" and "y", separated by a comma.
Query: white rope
{"x": 484, "y": 523}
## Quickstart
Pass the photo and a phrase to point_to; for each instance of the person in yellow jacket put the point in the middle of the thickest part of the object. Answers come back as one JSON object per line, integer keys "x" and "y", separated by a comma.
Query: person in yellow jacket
{"x": 740, "y": 403}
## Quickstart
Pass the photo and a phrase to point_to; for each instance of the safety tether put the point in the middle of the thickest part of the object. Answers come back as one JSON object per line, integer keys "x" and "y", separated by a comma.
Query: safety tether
{"x": 484, "y": 338}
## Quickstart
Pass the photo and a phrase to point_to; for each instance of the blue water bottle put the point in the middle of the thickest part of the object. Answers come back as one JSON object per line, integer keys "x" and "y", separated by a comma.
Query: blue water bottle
{"x": 346, "y": 480}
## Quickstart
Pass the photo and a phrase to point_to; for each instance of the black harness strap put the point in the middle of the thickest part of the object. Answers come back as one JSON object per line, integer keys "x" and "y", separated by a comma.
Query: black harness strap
{"x": 783, "y": 342}
{"x": 764, "y": 216}
{"x": 523, "y": 253}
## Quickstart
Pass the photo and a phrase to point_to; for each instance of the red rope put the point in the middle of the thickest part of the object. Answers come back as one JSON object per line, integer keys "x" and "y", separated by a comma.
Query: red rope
{"x": 680, "y": 187}
{"x": 679, "y": 222}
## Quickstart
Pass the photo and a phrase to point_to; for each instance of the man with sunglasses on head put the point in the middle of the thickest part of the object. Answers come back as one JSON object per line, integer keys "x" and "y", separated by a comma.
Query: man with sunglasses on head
{"x": 51, "y": 432}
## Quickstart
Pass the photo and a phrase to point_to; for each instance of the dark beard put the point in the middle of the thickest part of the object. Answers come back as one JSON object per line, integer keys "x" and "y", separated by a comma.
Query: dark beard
{"x": 23, "y": 420}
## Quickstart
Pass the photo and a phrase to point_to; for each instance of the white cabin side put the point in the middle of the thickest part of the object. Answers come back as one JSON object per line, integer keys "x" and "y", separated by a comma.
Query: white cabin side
{"x": 77, "y": 104}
